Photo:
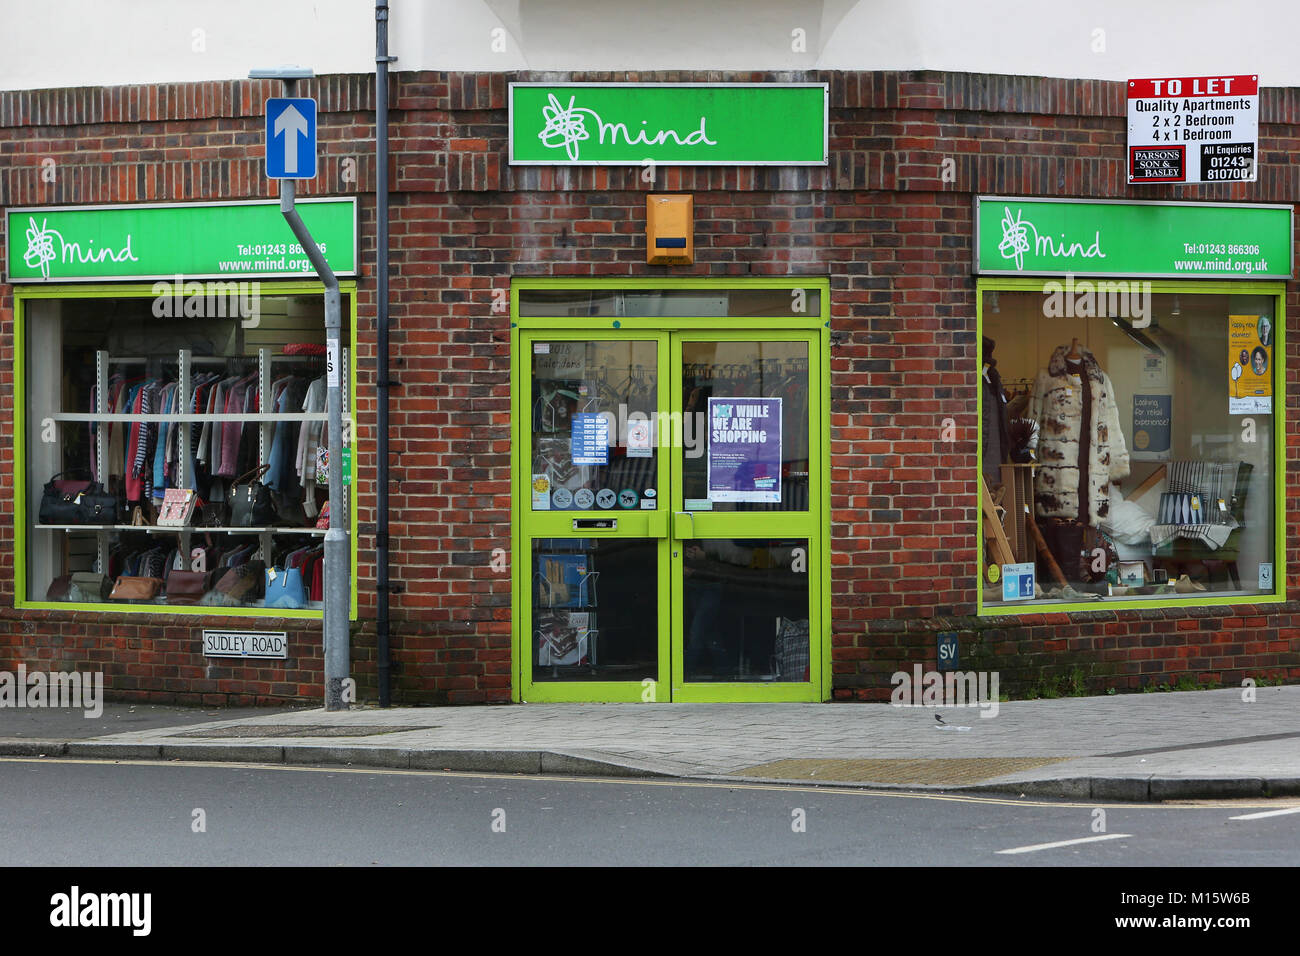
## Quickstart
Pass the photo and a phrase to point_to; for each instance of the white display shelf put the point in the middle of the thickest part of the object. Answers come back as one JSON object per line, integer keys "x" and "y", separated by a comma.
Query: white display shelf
{"x": 173, "y": 529}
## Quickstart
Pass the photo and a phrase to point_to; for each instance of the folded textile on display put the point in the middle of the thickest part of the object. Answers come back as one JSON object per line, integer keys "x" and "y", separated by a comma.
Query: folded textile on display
{"x": 1199, "y": 502}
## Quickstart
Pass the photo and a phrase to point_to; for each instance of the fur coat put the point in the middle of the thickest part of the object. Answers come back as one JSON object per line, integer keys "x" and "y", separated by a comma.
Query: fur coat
{"x": 1057, "y": 406}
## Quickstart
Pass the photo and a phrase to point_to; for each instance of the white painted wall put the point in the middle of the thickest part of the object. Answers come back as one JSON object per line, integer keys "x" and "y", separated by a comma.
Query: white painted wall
{"x": 67, "y": 43}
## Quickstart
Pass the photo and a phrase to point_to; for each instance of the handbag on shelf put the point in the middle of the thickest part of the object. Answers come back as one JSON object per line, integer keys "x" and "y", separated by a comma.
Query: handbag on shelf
{"x": 89, "y": 587}
{"x": 59, "y": 588}
{"x": 59, "y": 500}
{"x": 323, "y": 522}
{"x": 214, "y": 514}
{"x": 76, "y": 501}
{"x": 144, "y": 515}
{"x": 97, "y": 506}
{"x": 251, "y": 505}
{"x": 186, "y": 587}
{"x": 135, "y": 589}
{"x": 284, "y": 588}
{"x": 236, "y": 586}
{"x": 177, "y": 508}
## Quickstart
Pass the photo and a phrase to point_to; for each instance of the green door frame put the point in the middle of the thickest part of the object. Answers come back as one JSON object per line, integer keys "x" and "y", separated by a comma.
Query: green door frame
{"x": 669, "y": 333}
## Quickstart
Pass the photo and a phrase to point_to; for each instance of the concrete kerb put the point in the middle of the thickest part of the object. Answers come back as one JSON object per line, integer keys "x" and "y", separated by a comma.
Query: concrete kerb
{"x": 113, "y": 751}
{"x": 465, "y": 761}
{"x": 1205, "y": 788}
{"x": 33, "y": 748}
{"x": 1139, "y": 789}
{"x": 249, "y": 753}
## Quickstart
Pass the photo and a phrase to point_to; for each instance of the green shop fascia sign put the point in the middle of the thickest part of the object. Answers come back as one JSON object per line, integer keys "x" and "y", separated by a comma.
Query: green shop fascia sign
{"x": 1168, "y": 240}
{"x": 52, "y": 244}
{"x": 678, "y": 124}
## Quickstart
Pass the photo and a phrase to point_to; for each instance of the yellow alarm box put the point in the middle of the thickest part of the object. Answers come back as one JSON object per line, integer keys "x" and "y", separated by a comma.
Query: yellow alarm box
{"x": 669, "y": 230}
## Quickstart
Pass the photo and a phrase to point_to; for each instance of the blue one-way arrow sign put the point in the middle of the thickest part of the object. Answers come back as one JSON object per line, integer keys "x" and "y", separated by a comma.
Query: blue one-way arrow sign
{"x": 291, "y": 138}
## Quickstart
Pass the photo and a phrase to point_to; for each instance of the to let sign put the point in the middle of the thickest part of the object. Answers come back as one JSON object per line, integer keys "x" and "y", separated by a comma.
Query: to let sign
{"x": 1193, "y": 129}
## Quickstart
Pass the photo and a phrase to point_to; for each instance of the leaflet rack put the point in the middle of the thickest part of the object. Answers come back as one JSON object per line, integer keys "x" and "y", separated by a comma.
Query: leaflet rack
{"x": 565, "y": 585}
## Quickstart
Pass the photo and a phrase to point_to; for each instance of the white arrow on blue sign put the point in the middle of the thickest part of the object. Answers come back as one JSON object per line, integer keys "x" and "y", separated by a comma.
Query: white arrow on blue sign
{"x": 291, "y": 138}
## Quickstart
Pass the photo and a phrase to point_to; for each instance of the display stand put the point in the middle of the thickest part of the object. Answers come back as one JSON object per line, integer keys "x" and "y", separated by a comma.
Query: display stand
{"x": 565, "y": 584}
{"x": 1018, "y": 498}
{"x": 265, "y": 419}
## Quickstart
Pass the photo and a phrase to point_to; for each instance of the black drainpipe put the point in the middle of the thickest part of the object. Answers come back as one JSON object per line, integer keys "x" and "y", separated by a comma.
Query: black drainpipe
{"x": 382, "y": 586}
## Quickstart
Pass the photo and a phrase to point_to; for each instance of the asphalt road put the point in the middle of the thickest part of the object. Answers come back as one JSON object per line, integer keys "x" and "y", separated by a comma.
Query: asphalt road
{"x": 84, "y": 813}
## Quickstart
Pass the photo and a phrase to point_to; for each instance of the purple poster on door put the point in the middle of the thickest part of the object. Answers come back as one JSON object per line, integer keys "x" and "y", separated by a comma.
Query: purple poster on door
{"x": 745, "y": 449}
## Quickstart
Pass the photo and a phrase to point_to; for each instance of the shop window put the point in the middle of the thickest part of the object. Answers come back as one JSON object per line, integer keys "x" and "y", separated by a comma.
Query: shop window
{"x": 1128, "y": 444}
{"x": 130, "y": 504}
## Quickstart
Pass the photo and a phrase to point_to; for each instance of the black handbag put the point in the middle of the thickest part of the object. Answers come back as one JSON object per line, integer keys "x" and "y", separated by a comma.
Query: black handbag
{"x": 214, "y": 514}
{"x": 68, "y": 501}
{"x": 59, "y": 500}
{"x": 97, "y": 506}
{"x": 251, "y": 505}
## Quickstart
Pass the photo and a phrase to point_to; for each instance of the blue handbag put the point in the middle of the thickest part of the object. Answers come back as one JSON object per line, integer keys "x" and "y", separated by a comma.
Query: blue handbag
{"x": 284, "y": 588}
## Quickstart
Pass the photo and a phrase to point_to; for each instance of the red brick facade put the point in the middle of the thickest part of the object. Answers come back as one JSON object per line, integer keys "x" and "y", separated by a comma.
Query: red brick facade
{"x": 888, "y": 221}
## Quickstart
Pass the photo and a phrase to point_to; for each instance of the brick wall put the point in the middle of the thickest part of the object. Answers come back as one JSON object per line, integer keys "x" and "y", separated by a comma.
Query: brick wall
{"x": 881, "y": 220}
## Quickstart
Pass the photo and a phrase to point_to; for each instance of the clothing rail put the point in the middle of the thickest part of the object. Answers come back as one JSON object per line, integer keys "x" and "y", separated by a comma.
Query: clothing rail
{"x": 191, "y": 417}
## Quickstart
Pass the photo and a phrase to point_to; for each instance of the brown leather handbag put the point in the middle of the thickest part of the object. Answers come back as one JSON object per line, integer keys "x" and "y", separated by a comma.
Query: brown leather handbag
{"x": 136, "y": 589}
{"x": 186, "y": 587}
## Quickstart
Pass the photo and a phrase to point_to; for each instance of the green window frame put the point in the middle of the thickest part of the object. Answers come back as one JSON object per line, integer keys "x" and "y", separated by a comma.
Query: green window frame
{"x": 1274, "y": 289}
{"x": 26, "y": 294}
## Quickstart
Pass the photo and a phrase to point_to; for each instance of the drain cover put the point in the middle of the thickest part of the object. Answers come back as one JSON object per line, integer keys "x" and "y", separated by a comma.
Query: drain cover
{"x": 301, "y": 730}
{"x": 935, "y": 772}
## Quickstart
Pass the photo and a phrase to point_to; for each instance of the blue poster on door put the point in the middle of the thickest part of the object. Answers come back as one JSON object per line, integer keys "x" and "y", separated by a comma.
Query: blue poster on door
{"x": 589, "y": 443}
{"x": 745, "y": 449}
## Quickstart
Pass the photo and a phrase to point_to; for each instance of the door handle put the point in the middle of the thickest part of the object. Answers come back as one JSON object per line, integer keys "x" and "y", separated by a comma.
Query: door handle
{"x": 677, "y": 528}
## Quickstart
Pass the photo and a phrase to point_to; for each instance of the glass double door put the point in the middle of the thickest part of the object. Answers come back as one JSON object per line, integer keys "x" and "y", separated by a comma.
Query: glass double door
{"x": 669, "y": 530}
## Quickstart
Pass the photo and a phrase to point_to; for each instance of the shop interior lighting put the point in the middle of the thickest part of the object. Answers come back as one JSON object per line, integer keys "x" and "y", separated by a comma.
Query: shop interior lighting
{"x": 1137, "y": 335}
{"x": 996, "y": 307}
{"x": 1178, "y": 308}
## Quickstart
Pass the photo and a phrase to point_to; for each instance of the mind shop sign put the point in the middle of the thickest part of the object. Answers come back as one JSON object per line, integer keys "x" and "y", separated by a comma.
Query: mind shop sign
{"x": 1020, "y": 236}
{"x": 678, "y": 124}
{"x": 52, "y": 244}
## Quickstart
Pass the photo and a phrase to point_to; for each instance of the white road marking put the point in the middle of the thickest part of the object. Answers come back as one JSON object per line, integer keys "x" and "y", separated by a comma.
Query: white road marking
{"x": 1052, "y": 846}
{"x": 1268, "y": 813}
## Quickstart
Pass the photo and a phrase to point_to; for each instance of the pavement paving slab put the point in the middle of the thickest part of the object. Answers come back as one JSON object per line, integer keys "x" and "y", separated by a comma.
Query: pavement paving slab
{"x": 1168, "y": 745}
